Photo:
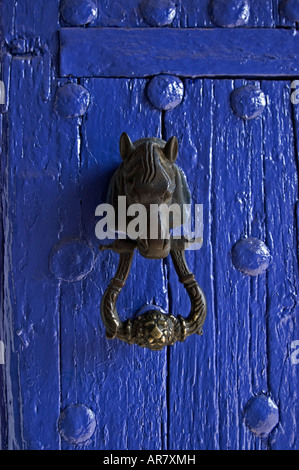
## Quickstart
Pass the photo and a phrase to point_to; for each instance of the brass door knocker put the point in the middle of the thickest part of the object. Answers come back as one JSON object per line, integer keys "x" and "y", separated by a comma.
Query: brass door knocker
{"x": 148, "y": 175}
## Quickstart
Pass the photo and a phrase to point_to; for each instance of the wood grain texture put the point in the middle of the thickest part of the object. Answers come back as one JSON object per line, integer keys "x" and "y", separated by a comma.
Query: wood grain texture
{"x": 55, "y": 171}
{"x": 125, "y": 385}
{"x": 30, "y": 293}
{"x": 30, "y": 323}
{"x": 232, "y": 164}
{"x": 129, "y": 52}
{"x": 281, "y": 190}
{"x": 62, "y": 356}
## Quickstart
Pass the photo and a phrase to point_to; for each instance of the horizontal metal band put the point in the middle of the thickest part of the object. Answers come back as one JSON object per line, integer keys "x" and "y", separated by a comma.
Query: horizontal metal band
{"x": 119, "y": 52}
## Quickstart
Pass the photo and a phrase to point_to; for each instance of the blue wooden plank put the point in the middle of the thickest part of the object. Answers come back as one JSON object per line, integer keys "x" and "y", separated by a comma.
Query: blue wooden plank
{"x": 121, "y": 52}
{"x": 281, "y": 189}
{"x": 3, "y": 416}
{"x": 22, "y": 23}
{"x": 125, "y": 386}
{"x": 237, "y": 213}
{"x": 224, "y": 159}
{"x": 252, "y": 197}
{"x": 31, "y": 320}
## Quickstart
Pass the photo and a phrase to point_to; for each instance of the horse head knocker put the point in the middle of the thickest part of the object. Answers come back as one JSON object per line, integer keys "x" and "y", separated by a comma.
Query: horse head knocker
{"x": 148, "y": 176}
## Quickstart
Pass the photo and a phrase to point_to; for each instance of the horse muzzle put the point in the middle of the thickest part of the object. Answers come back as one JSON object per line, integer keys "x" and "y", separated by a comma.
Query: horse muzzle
{"x": 154, "y": 249}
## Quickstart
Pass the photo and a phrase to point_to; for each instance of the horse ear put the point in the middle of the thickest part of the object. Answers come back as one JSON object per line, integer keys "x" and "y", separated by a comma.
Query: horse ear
{"x": 125, "y": 145}
{"x": 171, "y": 149}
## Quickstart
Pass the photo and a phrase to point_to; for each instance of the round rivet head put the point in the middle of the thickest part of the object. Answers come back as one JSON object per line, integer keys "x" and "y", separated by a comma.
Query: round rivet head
{"x": 290, "y": 9}
{"x": 251, "y": 256}
{"x": 165, "y": 92}
{"x": 229, "y": 13}
{"x": 261, "y": 415}
{"x": 76, "y": 423}
{"x": 72, "y": 100}
{"x": 158, "y": 12}
{"x": 78, "y": 12}
{"x": 71, "y": 260}
{"x": 248, "y": 101}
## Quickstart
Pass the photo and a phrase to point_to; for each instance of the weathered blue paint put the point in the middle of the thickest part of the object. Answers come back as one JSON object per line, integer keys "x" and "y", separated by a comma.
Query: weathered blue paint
{"x": 71, "y": 260}
{"x": 237, "y": 169}
{"x": 76, "y": 424}
{"x": 251, "y": 256}
{"x": 261, "y": 415}
{"x": 165, "y": 91}
{"x": 290, "y": 9}
{"x": 132, "y": 52}
{"x": 78, "y": 12}
{"x": 65, "y": 385}
{"x": 158, "y": 12}
{"x": 71, "y": 100}
{"x": 248, "y": 101}
{"x": 229, "y": 13}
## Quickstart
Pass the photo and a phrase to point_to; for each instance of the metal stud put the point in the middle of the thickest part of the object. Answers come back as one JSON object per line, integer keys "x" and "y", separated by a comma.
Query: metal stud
{"x": 78, "y": 12}
{"x": 229, "y": 13}
{"x": 261, "y": 415}
{"x": 158, "y": 12}
{"x": 248, "y": 101}
{"x": 76, "y": 423}
{"x": 251, "y": 256}
{"x": 72, "y": 100}
{"x": 165, "y": 91}
{"x": 71, "y": 260}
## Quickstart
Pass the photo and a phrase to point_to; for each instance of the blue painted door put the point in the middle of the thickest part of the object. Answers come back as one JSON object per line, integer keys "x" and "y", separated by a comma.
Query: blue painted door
{"x": 63, "y": 384}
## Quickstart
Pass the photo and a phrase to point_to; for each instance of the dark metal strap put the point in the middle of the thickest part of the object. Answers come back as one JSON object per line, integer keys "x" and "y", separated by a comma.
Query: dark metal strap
{"x": 109, "y": 313}
{"x": 198, "y": 312}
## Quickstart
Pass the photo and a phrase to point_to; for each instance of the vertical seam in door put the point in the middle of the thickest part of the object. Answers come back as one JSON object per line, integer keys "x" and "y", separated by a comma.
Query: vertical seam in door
{"x": 212, "y": 203}
{"x": 266, "y": 274}
{"x": 170, "y": 306}
{"x": 80, "y": 136}
{"x": 296, "y": 209}
{"x": 168, "y": 388}
{"x": 165, "y": 439}
{"x": 274, "y": 13}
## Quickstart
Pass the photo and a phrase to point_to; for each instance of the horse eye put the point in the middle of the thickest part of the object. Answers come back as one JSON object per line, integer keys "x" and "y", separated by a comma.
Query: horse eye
{"x": 130, "y": 172}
